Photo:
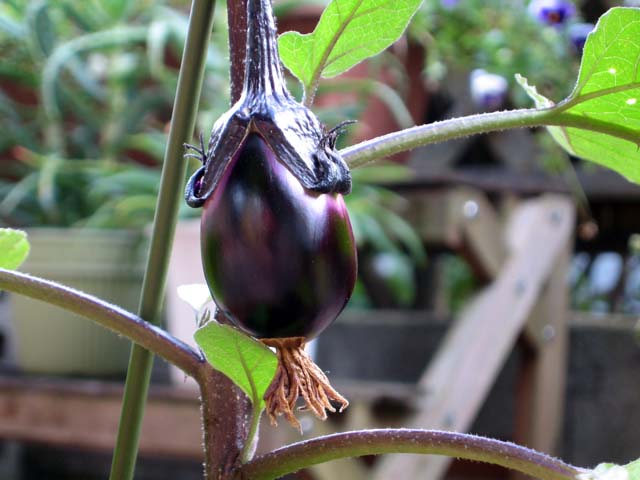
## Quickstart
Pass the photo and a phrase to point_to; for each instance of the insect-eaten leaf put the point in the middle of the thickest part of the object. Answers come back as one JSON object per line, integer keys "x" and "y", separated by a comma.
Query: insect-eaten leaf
{"x": 14, "y": 248}
{"x": 601, "y": 117}
{"x": 247, "y": 362}
{"x": 348, "y": 32}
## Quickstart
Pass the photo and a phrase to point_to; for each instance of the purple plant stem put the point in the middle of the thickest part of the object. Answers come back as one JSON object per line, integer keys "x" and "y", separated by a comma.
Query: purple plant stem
{"x": 225, "y": 421}
{"x": 372, "y": 442}
{"x": 125, "y": 323}
{"x": 237, "y": 19}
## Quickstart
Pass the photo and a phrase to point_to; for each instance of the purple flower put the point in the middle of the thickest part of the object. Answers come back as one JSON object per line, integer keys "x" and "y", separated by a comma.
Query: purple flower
{"x": 449, "y": 4}
{"x": 551, "y": 12}
{"x": 578, "y": 33}
{"x": 488, "y": 90}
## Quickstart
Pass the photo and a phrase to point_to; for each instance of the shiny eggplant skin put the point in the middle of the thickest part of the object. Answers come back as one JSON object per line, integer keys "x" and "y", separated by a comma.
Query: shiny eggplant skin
{"x": 280, "y": 260}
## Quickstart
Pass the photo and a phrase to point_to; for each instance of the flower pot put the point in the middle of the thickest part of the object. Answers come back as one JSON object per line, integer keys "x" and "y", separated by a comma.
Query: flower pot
{"x": 104, "y": 263}
{"x": 185, "y": 267}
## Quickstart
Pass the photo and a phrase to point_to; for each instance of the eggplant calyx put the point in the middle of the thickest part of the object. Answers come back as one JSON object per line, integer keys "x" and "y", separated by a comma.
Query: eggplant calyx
{"x": 194, "y": 186}
{"x": 291, "y": 130}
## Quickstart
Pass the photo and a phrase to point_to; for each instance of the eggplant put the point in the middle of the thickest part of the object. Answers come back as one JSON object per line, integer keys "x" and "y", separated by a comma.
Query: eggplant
{"x": 279, "y": 259}
{"x": 277, "y": 247}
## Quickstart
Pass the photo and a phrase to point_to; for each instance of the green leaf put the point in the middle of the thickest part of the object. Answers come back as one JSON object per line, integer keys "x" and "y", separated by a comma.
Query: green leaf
{"x": 611, "y": 471}
{"x": 559, "y": 134}
{"x": 14, "y": 248}
{"x": 348, "y": 32}
{"x": 600, "y": 120}
{"x": 247, "y": 362}
{"x": 634, "y": 470}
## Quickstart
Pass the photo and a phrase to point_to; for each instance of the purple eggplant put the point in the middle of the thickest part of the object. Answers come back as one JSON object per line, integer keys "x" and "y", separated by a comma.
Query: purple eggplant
{"x": 280, "y": 260}
{"x": 277, "y": 247}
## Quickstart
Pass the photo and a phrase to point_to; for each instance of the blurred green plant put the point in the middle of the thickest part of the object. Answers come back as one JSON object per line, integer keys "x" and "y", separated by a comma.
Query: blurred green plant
{"x": 385, "y": 240}
{"x": 86, "y": 91}
{"x": 500, "y": 37}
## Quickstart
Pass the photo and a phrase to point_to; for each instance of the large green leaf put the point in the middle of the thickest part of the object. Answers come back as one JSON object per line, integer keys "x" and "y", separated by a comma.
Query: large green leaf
{"x": 247, "y": 362}
{"x": 601, "y": 118}
{"x": 348, "y": 32}
{"x": 14, "y": 248}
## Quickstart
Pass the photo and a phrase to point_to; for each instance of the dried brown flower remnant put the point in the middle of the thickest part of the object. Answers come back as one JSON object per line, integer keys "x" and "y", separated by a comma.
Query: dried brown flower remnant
{"x": 298, "y": 376}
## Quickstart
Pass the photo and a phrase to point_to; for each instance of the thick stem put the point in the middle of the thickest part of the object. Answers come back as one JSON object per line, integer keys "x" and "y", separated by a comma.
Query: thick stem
{"x": 300, "y": 455}
{"x": 263, "y": 73}
{"x": 410, "y": 138}
{"x": 237, "y": 19}
{"x": 169, "y": 199}
{"x": 110, "y": 316}
{"x": 225, "y": 421}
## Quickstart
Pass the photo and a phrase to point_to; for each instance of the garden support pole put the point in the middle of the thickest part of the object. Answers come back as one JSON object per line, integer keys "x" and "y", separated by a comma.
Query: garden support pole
{"x": 171, "y": 186}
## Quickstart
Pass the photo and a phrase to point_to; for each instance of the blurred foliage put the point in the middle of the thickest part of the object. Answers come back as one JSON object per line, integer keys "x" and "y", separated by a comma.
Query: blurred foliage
{"x": 86, "y": 91}
{"x": 386, "y": 241}
{"x": 501, "y": 37}
{"x": 459, "y": 283}
{"x": 607, "y": 282}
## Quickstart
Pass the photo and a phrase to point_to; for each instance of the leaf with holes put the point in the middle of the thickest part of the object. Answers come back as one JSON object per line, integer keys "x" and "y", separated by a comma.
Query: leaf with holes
{"x": 348, "y": 32}
{"x": 600, "y": 120}
{"x": 247, "y": 362}
{"x": 14, "y": 248}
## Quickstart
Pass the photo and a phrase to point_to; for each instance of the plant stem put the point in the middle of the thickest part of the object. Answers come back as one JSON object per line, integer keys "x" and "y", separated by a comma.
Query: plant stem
{"x": 171, "y": 186}
{"x": 110, "y": 316}
{"x": 410, "y": 138}
{"x": 224, "y": 423}
{"x": 237, "y": 20}
{"x": 252, "y": 437}
{"x": 300, "y": 455}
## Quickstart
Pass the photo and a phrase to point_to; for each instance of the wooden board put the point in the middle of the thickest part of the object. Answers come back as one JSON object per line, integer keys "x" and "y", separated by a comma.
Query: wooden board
{"x": 466, "y": 364}
{"x": 463, "y": 219}
{"x": 85, "y": 414}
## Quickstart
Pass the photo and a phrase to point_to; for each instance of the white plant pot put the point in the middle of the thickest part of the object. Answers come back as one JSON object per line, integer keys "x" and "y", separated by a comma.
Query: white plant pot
{"x": 105, "y": 263}
{"x": 185, "y": 267}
